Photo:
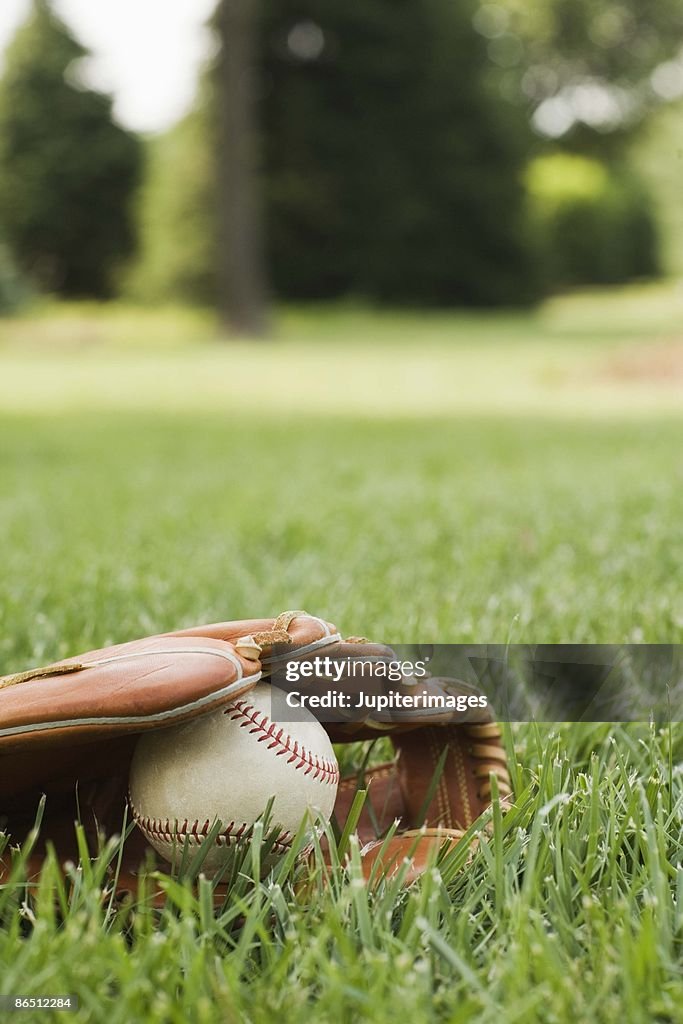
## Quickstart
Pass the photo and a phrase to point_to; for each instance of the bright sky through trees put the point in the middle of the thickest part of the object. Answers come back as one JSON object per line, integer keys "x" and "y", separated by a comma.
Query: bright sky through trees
{"x": 146, "y": 53}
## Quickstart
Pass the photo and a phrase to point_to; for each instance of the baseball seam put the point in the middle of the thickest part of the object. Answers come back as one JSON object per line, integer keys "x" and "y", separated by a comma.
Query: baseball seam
{"x": 172, "y": 831}
{"x": 312, "y": 765}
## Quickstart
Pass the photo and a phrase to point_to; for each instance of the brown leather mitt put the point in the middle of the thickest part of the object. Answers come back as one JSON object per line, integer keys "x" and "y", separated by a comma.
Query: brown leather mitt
{"x": 69, "y": 730}
{"x": 438, "y": 784}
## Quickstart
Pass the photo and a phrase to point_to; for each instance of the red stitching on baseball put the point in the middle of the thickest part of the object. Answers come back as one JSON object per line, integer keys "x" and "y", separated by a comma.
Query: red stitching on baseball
{"x": 322, "y": 769}
{"x": 158, "y": 828}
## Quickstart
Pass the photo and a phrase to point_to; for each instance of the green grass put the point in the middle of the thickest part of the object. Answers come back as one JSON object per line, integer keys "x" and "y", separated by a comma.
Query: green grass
{"x": 585, "y": 356}
{"x": 569, "y": 911}
{"x": 463, "y": 478}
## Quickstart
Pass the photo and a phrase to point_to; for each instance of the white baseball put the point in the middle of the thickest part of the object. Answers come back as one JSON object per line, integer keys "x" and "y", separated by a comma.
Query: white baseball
{"x": 227, "y": 765}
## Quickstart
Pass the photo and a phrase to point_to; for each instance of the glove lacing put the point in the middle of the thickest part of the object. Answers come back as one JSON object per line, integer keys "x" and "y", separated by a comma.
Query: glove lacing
{"x": 41, "y": 673}
{"x": 279, "y": 631}
{"x": 489, "y": 756}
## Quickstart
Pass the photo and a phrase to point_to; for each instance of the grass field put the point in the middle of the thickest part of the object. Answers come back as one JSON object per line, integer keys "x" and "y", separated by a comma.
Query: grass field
{"x": 445, "y": 478}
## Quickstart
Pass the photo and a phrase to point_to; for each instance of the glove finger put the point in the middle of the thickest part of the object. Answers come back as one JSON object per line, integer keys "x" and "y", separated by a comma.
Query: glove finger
{"x": 289, "y": 630}
{"x": 383, "y": 805}
{"x": 468, "y": 754}
{"x": 419, "y": 848}
{"x": 141, "y": 686}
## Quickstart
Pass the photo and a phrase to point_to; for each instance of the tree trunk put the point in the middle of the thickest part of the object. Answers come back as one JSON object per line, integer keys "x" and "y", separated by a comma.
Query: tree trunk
{"x": 241, "y": 277}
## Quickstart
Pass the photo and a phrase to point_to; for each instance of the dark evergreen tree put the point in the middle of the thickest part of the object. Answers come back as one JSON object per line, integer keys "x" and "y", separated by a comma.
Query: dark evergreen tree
{"x": 392, "y": 163}
{"x": 66, "y": 170}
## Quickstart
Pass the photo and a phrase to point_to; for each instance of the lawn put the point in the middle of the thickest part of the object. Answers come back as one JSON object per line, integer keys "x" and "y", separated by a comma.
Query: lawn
{"x": 438, "y": 478}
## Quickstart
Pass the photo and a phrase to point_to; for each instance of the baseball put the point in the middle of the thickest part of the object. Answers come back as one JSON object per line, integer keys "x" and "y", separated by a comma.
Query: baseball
{"x": 227, "y": 765}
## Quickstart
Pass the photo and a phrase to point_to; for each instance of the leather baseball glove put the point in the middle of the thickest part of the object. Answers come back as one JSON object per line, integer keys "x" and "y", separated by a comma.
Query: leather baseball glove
{"x": 69, "y": 730}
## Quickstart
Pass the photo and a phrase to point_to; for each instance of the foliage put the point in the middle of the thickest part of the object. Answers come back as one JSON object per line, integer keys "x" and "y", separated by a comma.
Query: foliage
{"x": 13, "y": 289}
{"x": 596, "y": 222}
{"x": 175, "y": 256}
{"x": 658, "y": 156}
{"x": 66, "y": 171}
{"x": 595, "y": 58}
{"x": 392, "y": 168}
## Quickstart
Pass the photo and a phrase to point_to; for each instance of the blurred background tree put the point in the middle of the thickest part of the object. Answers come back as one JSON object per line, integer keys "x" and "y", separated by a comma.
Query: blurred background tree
{"x": 67, "y": 173}
{"x": 588, "y": 72}
{"x": 399, "y": 144}
{"x": 594, "y": 220}
{"x": 592, "y": 78}
{"x": 176, "y": 256}
{"x": 417, "y": 152}
{"x": 391, "y": 168}
{"x": 13, "y": 288}
{"x": 657, "y": 155}
{"x": 239, "y": 257}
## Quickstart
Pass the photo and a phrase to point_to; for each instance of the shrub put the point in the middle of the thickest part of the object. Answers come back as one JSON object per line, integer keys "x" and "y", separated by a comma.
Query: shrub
{"x": 594, "y": 222}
